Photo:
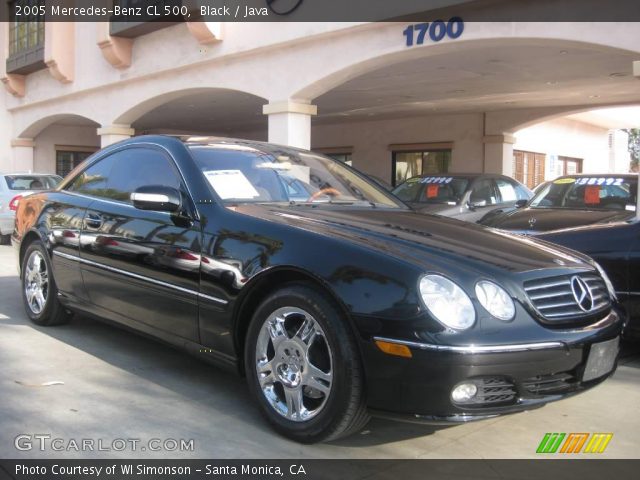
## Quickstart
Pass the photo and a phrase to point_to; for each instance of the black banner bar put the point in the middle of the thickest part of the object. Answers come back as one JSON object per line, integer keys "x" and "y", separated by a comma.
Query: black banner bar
{"x": 301, "y": 469}
{"x": 131, "y": 11}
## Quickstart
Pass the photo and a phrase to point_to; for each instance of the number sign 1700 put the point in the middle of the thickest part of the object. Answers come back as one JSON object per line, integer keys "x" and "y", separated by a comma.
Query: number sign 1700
{"x": 415, "y": 34}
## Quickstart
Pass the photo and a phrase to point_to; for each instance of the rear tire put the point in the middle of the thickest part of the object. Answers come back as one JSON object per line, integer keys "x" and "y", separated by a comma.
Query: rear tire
{"x": 39, "y": 291}
{"x": 303, "y": 367}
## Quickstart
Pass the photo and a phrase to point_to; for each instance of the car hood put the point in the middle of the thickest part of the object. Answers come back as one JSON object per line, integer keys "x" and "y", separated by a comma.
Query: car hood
{"x": 530, "y": 220}
{"x": 428, "y": 241}
{"x": 430, "y": 207}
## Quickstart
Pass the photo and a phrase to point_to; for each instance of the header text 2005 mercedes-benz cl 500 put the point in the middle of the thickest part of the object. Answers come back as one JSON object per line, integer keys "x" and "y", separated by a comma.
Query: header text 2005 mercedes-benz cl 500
{"x": 333, "y": 298}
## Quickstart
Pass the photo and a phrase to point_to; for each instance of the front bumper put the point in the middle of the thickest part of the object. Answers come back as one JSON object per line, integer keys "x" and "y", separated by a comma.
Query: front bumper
{"x": 511, "y": 378}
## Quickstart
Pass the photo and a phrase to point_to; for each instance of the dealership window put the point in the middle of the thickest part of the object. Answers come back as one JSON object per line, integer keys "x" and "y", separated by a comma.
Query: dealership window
{"x": 68, "y": 158}
{"x": 411, "y": 160}
{"x": 569, "y": 165}
{"x": 26, "y": 36}
{"x": 342, "y": 154}
{"x": 528, "y": 167}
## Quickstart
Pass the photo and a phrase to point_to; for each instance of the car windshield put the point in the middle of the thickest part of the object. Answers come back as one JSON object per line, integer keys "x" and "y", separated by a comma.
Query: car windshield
{"x": 607, "y": 193}
{"x": 244, "y": 174}
{"x": 32, "y": 182}
{"x": 437, "y": 189}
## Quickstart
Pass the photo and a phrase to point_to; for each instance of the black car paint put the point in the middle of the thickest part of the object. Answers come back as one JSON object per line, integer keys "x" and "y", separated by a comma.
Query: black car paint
{"x": 616, "y": 247}
{"x": 531, "y": 220}
{"x": 368, "y": 259}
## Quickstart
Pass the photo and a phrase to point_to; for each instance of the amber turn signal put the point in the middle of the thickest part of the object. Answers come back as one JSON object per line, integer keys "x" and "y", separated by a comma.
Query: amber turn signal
{"x": 394, "y": 349}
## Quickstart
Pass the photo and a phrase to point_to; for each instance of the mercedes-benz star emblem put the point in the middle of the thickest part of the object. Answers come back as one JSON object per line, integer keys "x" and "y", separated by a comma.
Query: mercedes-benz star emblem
{"x": 582, "y": 293}
{"x": 532, "y": 222}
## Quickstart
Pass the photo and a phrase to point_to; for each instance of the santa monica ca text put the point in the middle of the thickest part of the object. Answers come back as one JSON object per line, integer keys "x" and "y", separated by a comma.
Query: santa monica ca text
{"x": 152, "y": 470}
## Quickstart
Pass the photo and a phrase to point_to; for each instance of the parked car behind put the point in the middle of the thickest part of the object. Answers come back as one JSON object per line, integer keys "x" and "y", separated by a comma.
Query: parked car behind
{"x": 340, "y": 305}
{"x": 466, "y": 197}
{"x": 616, "y": 247}
{"x": 572, "y": 201}
{"x": 14, "y": 186}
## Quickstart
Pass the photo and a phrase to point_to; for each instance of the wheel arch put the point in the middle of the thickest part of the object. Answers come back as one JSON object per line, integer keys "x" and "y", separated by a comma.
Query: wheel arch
{"x": 30, "y": 237}
{"x": 267, "y": 282}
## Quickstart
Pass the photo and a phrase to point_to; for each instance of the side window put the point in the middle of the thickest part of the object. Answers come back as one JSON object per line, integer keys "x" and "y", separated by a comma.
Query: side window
{"x": 507, "y": 190}
{"x": 137, "y": 167}
{"x": 118, "y": 175}
{"x": 93, "y": 181}
{"x": 484, "y": 191}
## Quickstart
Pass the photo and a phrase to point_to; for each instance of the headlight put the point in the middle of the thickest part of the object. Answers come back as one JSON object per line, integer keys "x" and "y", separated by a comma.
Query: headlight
{"x": 495, "y": 300}
{"x": 447, "y": 302}
{"x": 607, "y": 281}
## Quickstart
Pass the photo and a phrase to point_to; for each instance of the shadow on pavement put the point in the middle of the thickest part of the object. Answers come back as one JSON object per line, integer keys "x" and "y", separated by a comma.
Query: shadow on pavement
{"x": 218, "y": 391}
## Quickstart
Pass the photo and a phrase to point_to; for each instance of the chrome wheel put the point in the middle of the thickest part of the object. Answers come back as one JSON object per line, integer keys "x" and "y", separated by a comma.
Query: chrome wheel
{"x": 294, "y": 364}
{"x": 36, "y": 283}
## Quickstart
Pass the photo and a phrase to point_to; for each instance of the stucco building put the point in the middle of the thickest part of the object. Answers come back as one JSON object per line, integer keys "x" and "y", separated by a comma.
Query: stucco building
{"x": 358, "y": 91}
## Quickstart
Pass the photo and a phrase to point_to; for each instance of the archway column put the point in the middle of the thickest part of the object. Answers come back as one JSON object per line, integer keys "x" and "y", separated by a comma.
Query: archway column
{"x": 23, "y": 154}
{"x": 110, "y": 134}
{"x": 636, "y": 68}
{"x": 290, "y": 123}
{"x": 498, "y": 153}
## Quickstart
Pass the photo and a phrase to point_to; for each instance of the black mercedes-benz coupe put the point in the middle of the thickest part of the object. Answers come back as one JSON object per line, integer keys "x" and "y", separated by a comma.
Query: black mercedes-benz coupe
{"x": 334, "y": 306}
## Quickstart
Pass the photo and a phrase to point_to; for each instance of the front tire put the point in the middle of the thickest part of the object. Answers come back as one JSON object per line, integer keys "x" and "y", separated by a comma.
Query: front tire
{"x": 303, "y": 366}
{"x": 39, "y": 291}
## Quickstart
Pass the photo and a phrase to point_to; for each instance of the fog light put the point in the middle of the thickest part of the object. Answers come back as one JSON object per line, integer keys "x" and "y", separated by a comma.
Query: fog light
{"x": 464, "y": 392}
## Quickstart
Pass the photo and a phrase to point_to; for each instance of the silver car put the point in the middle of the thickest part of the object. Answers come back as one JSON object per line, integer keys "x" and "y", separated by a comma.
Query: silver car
{"x": 467, "y": 197}
{"x": 14, "y": 186}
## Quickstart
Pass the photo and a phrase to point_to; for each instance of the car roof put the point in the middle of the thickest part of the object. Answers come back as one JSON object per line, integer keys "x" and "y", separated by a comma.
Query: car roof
{"x": 221, "y": 142}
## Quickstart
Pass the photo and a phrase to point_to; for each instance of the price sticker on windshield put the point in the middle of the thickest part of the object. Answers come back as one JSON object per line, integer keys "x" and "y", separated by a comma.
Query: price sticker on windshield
{"x": 432, "y": 191}
{"x": 564, "y": 181}
{"x": 438, "y": 180}
{"x": 599, "y": 181}
{"x": 592, "y": 194}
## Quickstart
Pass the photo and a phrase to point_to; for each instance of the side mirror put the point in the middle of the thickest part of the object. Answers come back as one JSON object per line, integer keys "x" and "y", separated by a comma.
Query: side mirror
{"x": 158, "y": 198}
{"x": 476, "y": 204}
{"x": 521, "y": 203}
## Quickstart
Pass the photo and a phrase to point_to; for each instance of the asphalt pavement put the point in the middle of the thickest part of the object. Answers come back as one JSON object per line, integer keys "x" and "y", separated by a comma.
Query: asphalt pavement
{"x": 89, "y": 384}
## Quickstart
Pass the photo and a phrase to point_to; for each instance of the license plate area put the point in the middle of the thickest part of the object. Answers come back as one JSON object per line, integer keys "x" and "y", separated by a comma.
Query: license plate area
{"x": 601, "y": 360}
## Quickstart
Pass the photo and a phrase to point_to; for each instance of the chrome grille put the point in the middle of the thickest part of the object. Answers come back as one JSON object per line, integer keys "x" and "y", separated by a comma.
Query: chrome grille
{"x": 554, "y": 300}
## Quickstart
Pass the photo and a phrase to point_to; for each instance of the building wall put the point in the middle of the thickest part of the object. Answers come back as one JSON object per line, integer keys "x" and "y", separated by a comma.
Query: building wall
{"x": 252, "y": 58}
{"x": 564, "y": 137}
{"x": 61, "y": 135}
{"x": 6, "y": 162}
{"x": 619, "y": 155}
{"x": 370, "y": 140}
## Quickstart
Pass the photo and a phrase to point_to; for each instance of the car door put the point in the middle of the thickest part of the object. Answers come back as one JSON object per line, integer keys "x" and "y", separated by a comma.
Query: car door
{"x": 138, "y": 265}
{"x": 482, "y": 197}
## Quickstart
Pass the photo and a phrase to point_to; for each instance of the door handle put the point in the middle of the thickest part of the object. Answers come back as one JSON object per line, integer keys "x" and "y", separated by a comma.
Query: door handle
{"x": 93, "y": 220}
